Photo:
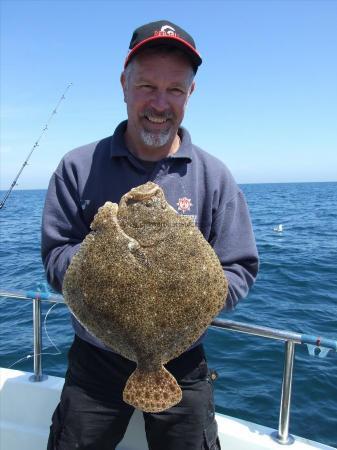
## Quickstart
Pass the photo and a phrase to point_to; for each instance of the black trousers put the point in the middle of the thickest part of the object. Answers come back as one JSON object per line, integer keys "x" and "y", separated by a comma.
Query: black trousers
{"x": 91, "y": 414}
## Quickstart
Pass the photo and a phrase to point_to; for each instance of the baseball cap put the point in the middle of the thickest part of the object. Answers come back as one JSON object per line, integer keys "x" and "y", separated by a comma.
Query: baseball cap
{"x": 163, "y": 32}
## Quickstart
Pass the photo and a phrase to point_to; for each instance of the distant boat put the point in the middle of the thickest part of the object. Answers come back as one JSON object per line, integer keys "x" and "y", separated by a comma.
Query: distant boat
{"x": 279, "y": 228}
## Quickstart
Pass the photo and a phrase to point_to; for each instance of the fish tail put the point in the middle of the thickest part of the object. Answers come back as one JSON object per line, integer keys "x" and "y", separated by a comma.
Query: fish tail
{"x": 152, "y": 391}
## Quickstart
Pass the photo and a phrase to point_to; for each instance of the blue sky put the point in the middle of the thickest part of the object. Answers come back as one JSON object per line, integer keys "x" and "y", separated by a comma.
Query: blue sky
{"x": 265, "y": 101}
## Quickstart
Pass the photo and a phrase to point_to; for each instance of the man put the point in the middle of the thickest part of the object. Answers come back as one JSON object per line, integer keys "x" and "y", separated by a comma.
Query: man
{"x": 157, "y": 81}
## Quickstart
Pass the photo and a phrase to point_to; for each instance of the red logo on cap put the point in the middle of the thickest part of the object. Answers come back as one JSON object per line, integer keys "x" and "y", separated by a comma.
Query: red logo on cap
{"x": 166, "y": 30}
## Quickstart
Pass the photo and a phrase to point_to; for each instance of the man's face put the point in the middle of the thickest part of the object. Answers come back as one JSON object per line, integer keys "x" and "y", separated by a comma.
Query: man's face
{"x": 156, "y": 90}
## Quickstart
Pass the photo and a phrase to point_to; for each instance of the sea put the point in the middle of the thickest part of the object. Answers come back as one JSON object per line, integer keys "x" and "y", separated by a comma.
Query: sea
{"x": 296, "y": 290}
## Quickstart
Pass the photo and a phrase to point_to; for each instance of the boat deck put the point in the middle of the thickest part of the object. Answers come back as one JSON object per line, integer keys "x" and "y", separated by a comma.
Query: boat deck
{"x": 26, "y": 408}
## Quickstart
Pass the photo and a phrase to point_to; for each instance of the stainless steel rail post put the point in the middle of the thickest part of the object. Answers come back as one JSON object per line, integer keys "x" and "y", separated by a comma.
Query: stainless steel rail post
{"x": 282, "y": 436}
{"x": 291, "y": 339}
{"x": 38, "y": 376}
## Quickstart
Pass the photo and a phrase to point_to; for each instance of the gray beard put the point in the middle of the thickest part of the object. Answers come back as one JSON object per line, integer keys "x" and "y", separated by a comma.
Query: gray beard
{"x": 155, "y": 139}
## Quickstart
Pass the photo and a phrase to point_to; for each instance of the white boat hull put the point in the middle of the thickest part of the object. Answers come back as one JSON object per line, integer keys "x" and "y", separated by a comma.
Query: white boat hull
{"x": 26, "y": 408}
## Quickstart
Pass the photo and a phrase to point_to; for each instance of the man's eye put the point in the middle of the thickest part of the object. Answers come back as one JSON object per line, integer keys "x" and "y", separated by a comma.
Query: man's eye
{"x": 177, "y": 91}
{"x": 146, "y": 87}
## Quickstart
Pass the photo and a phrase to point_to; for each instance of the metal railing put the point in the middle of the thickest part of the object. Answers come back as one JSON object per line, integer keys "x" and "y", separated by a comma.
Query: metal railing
{"x": 319, "y": 344}
{"x": 291, "y": 338}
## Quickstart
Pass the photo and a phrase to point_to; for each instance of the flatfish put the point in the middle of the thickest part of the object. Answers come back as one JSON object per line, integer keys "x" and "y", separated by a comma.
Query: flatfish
{"x": 147, "y": 283}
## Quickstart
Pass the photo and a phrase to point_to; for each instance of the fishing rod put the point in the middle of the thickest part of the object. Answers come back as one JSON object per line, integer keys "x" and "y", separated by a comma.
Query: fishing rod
{"x": 36, "y": 144}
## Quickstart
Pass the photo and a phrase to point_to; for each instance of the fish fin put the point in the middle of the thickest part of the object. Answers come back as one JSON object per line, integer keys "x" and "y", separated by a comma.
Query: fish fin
{"x": 105, "y": 217}
{"x": 152, "y": 391}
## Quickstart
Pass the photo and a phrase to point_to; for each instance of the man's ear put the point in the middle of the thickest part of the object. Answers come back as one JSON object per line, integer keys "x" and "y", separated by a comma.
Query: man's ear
{"x": 191, "y": 88}
{"x": 124, "y": 85}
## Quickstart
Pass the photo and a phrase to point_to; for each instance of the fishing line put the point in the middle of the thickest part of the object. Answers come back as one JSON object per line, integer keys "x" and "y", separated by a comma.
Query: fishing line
{"x": 58, "y": 351}
{"x": 36, "y": 144}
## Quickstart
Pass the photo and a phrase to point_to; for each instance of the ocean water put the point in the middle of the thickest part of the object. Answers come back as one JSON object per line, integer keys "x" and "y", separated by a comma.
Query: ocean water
{"x": 296, "y": 290}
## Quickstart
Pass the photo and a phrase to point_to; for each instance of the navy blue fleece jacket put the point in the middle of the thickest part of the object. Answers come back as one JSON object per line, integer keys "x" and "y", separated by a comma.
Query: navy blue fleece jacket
{"x": 194, "y": 183}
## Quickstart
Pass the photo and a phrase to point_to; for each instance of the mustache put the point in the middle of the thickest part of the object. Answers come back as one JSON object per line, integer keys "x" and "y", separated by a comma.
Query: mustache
{"x": 150, "y": 112}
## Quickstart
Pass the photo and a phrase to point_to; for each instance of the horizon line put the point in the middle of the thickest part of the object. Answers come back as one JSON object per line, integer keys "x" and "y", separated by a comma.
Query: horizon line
{"x": 240, "y": 184}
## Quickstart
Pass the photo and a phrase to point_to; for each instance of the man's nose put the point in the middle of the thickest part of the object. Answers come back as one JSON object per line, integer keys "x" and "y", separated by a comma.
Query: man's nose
{"x": 159, "y": 101}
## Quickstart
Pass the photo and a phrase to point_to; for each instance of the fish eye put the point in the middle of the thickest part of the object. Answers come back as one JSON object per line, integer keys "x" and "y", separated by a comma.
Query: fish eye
{"x": 131, "y": 202}
{"x": 148, "y": 203}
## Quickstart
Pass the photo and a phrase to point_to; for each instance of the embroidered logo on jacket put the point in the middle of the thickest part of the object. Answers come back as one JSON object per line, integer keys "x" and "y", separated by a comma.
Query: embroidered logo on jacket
{"x": 184, "y": 204}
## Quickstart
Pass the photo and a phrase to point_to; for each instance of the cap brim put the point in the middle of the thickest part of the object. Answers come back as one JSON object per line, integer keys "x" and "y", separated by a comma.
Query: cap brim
{"x": 173, "y": 41}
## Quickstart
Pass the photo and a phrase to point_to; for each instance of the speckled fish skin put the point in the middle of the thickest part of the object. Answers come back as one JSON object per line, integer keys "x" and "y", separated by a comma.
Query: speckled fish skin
{"x": 147, "y": 283}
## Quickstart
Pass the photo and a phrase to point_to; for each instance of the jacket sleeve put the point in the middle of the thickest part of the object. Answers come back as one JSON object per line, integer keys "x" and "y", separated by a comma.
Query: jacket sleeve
{"x": 233, "y": 241}
{"x": 63, "y": 227}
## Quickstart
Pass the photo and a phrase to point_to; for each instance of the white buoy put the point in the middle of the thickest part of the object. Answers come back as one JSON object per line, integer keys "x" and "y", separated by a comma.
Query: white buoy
{"x": 279, "y": 228}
